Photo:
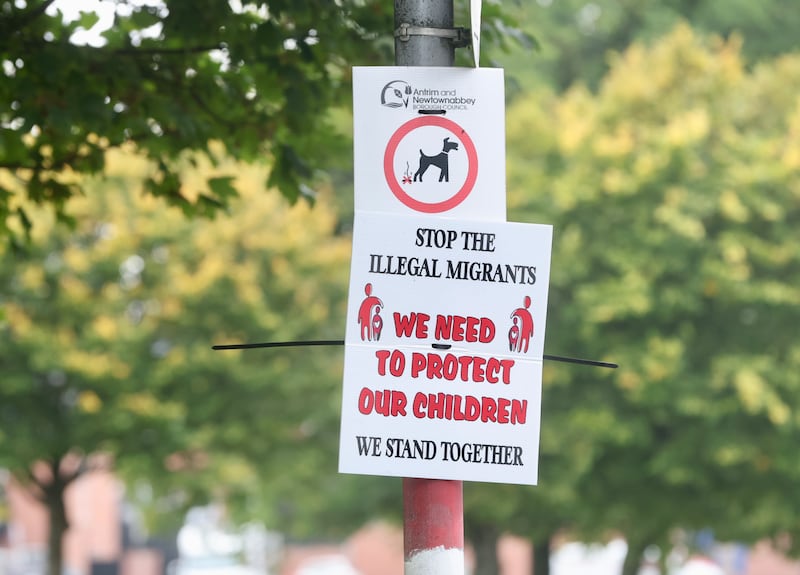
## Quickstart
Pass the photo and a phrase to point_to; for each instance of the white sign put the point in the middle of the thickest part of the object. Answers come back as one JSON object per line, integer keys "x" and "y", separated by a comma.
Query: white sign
{"x": 444, "y": 347}
{"x": 430, "y": 140}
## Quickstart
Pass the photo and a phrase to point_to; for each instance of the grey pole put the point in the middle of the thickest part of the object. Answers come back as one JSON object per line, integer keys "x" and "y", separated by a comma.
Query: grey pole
{"x": 433, "y": 509}
{"x": 423, "y": 50}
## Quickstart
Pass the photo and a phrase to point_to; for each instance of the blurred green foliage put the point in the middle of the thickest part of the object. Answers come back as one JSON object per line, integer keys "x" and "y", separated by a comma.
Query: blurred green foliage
{"x": 675, "y": 197}
{"x": 106, "y": 342}
{"x": 171, "y": 77}
{"x": 577, "y": 39}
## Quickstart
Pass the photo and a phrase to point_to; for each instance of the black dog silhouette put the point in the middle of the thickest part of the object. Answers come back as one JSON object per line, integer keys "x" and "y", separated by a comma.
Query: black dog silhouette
{"x": 440, "y": 160}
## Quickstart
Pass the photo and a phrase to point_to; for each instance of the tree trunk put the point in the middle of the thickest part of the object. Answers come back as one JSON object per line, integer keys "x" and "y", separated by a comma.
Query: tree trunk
{"x": 49, "y": 487}
{"x": 54, "y": 498}
{"x": 633, "y": 559}
{"x": 484, "y": 542}
{"x": 541, "y": 557}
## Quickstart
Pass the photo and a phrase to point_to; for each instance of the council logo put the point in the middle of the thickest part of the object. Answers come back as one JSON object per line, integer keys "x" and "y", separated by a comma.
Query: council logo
{"x": 396, "y": 94}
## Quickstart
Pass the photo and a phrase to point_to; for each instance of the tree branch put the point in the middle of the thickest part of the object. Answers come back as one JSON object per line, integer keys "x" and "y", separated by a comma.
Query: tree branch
{"x": 29, "y": 16}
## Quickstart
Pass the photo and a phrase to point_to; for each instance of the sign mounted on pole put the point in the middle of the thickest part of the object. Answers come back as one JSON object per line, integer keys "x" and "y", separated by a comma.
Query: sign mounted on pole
{"x": 444, "y": 348}
{"x": 447, "y": 307}
{"x": 430, "y": 140}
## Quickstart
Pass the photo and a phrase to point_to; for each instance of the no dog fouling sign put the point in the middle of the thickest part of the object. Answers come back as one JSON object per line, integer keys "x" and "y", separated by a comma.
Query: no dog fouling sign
{"x": 429, "y": 141}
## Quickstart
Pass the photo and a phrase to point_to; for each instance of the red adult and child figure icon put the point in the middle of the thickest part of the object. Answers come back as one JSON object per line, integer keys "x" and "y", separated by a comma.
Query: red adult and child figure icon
{"x": 369, "y": 317}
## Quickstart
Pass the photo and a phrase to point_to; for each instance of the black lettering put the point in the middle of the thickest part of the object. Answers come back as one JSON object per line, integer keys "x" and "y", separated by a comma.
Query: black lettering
{"x": 368, "y": 445}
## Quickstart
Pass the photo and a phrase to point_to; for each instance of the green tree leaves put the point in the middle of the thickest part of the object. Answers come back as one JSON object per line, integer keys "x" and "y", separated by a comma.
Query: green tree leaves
{"x": 673, "y": 197}
{"x": 107, "y": 330}
{"x": 170, "y": 79}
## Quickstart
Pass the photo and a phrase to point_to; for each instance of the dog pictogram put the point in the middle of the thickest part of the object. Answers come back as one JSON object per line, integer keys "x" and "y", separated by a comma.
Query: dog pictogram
{"x": 440, "y": 160}
{"x": 402, "y": 152}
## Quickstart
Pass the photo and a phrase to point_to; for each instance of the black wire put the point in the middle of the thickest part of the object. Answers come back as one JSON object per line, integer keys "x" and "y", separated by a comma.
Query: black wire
{"x": 279, "y": 344}
{"x": 317, "y": 342}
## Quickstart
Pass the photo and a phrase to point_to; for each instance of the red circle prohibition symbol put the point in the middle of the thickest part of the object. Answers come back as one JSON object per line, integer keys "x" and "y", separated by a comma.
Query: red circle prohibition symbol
{"x": 391, "y": 179}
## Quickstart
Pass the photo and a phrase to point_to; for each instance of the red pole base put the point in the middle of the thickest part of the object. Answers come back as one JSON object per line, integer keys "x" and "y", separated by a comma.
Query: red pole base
{"x": 433, "y": 527}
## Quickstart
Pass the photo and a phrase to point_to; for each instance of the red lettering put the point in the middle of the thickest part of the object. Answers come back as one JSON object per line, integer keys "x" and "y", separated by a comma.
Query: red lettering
{"x": 487, "y": 330}
{"x": 472, "y": 408}
{"x": 462, "y": 408}
{"x": 436, "y": 406}
{"x": 434, "y": 366}
{"x": 502, "y": 410}
{"x": 455, "y": 405}
{"x": 418, "y": 407}
{"x": 422, "y": 326}
{"x": 365, "y": 401}
{"x": 404, "y": 324}
{"x": 382, "y": 355}
{"x": 492, "y": 367}
{"x": 417, "y": 363}
{"x": 443, "y": 327}
{"x": 458, "y": 328}
{"x": 519, "y": 411}
{"x": 488, "y": 409}
{"x": 477, "y": 369}
{"x": 507, "y": 365}
{"x": 450, "y": 368}
{"x": 415, "y": 324}
{"x": 398, "y": 363}
{"x": 464, "y": 361}
{"x": 382, "y": 405}
{"x": 472, "y": 329}
{"x": 398, "y": 403}
{"x": 388, "y": 402}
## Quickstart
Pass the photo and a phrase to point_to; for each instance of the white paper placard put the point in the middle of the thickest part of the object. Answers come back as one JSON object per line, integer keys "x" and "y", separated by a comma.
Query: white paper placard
{"x": 444, "y": 345}
{"x": 430, "y": 140}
